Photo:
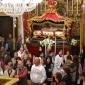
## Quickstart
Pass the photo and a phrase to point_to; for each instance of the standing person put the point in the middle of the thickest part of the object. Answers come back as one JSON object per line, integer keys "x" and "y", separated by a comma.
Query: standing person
{"x": 83, "y": 76}
{"x": 75, "y": 69}
{"x": 67, "y": 54}
{"x": 69, "y": 60}
{"x": 41, "y": 51}
{"x": 38, "y": 73}
{"x": 28, "y": 65}
{"x": 48, "y": 68}
{"x": 2, "y": 42}
{"x": 18, "y": 43}
{"x": 67, "y": 78}
{"x": 58, "y": 62}
{"x": 21, "y": 73}
{"x": 1, "y": 68}
{"x": 14, "y": 59}
{"x": 58, "y": 78}
{"x": 83, "y": 57}
{"x": 9, "y": 45}
{"x": 49, "y": 52}
{"x": 20, "y": 52}
{"x": 5, "y": 58}
{"x": 9, "y": 72}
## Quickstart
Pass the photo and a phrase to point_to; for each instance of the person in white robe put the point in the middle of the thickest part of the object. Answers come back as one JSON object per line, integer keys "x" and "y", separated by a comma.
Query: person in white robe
{"x": 58, "y": 63}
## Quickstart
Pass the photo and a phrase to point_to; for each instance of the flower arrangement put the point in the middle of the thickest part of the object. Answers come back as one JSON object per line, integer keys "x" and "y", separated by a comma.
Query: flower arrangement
{"x": 47, "y": 42}
{"x": 74, "y": 42}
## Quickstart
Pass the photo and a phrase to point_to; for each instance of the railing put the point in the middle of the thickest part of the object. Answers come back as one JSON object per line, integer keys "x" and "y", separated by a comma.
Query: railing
{"x": 8, "y": 81}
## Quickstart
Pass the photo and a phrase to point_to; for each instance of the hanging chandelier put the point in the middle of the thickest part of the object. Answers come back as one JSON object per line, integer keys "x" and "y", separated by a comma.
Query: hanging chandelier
{"x": 18, "y": 7}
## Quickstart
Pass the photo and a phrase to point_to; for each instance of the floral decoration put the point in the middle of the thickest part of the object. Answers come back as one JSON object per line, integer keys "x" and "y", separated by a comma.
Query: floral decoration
{"x": 74, "y": 42}
{"x": 47, "y": 42}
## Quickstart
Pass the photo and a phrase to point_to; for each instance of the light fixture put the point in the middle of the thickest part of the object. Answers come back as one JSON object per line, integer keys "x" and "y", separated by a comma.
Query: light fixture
{"x": 18, "y": 7}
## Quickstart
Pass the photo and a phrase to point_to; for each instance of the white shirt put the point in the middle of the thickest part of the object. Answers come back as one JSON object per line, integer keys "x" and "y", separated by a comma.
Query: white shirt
{"x": 20, "y": 54}
{"x": 38, "y": 74}
{"x": 1, "y": 72}
{"x": 11, "y": 74}
{"x": 65, "y": 57}
{"x": 57, "y": 64}
{"x": 58, "y": 61}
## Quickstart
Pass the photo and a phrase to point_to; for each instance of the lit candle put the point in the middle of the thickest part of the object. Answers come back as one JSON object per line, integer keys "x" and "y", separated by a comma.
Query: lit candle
{"x": 14, "y": 26}
{"x": 72, "y": 6}
{"x": 77, "y": 7}
{"x": 37, "y": 9}
{"x": 55, "y": 44}
{"x": 67, "y": 7}
{"x": 45, "y": 5}
{"x": 41, "y": 7}
{"x": 45, "y": 50}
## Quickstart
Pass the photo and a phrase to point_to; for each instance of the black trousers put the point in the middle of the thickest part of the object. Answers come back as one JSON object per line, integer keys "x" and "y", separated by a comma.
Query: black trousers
{"x": 36, "y": 83}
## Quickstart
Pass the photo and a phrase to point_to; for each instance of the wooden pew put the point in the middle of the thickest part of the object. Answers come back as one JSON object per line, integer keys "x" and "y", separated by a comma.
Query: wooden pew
{"x": 8, "y": 81}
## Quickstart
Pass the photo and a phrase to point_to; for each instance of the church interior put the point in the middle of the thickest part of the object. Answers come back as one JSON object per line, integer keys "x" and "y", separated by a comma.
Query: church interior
{"x": 42, "y": 34}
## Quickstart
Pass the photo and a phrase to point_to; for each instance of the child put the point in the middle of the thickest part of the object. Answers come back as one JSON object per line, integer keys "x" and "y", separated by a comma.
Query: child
{"x": 83, "y": 76}
{"x": 58, "y": 78}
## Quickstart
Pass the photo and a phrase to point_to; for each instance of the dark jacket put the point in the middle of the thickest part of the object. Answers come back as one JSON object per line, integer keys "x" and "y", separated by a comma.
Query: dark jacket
{"x": 67, "y": 79}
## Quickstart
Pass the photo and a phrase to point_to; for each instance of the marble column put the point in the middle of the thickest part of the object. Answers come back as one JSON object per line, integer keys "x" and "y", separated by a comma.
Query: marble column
{"x": 21, "y": 28}
{"x": 81, "y": 36}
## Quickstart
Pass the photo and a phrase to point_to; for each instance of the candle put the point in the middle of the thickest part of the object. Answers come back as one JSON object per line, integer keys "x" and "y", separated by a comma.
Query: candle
{"x": 14, "y": 26}
{"x": 41, "y": 8}
{"x": 55, "y": 44}
{"x": 45, "y": 5}
{"x": 77, "y": 7}
{"x": 45, "y": 50}
{"x": 67, "y": 7}
{"x": 72, "y": 6}
{"x": 37, "y": 9}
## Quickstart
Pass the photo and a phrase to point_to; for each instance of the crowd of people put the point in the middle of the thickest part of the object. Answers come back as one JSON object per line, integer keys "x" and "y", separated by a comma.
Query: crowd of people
{"x": 51, "y": 69}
